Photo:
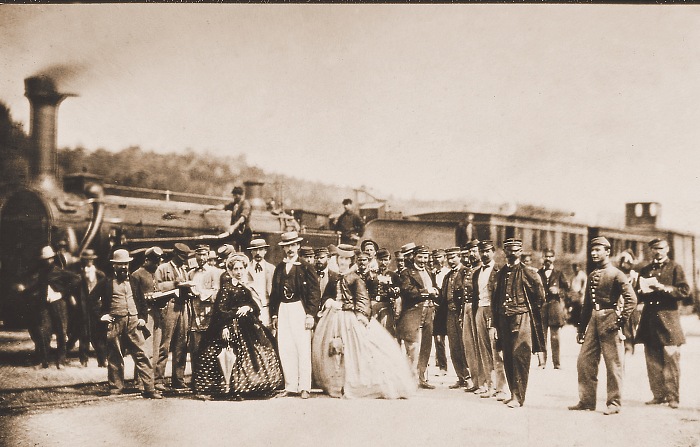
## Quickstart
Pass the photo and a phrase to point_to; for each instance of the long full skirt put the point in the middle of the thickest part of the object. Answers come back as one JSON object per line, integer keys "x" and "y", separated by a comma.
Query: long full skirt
{"x": 256, "y": 368}
{"x": 353, "y": 360}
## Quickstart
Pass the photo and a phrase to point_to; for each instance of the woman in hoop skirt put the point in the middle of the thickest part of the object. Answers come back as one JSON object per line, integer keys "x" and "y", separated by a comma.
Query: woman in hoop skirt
{"x": 234, "y": 323}
{"x": 351, "y": 356}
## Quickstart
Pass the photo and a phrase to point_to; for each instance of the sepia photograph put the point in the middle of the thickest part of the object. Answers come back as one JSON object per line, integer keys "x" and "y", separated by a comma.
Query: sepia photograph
{"x": 395, "y": 224}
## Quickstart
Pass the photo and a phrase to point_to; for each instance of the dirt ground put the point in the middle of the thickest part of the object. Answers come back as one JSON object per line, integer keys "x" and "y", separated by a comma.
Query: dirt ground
{"x": 440, "y": 417}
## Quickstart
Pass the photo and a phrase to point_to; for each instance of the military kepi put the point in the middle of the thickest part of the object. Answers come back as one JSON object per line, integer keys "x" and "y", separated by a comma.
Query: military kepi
{"x": 600, "y": 240}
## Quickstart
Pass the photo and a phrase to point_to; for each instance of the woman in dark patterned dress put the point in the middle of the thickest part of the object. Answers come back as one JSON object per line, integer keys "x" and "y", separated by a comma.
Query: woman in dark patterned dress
{"x": 235, "y": 323}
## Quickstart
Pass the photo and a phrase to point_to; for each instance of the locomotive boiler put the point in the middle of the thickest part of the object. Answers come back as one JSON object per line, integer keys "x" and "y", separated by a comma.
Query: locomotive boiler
{"x": 87, "y": 213}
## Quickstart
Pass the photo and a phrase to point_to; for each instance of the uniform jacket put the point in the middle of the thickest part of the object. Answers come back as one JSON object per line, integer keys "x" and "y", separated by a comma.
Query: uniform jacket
{"x": 103, "y": 292}
{"x": 412, "y": 288}
{"x": 606, "y": 286}
{"x": 660, "y": 323}
{"x": 350, "y": 289}
{"x": 456, "y": 302}
{"x": 526, "y": 289}
{"x": 303, "y": 283}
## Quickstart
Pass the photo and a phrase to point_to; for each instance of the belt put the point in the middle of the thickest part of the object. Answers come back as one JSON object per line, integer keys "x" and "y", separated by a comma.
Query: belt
{"x": 598, "y": 306}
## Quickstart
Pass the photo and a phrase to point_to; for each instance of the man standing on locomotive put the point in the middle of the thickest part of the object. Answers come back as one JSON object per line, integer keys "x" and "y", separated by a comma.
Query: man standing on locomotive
{"x": 240, "y": 219}
{"x": 662, "y": 284}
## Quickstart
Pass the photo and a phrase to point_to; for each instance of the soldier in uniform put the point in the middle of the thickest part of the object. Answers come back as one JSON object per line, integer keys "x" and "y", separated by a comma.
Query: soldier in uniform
{"x": 452, "y": 298}
{"x": 384, "y": 305}
{"x": 600, "y": 329}
{"x": 440, "y": 270}
{"x": 415, "y": 327}
{"x": 307, "y": 254}
{"x": 553, "y": 317}
{"x": 469, "y": 336}
{"x": 484, "y": 280}
{"x": 662, "y": 285}
{"x": 515, "y": 305}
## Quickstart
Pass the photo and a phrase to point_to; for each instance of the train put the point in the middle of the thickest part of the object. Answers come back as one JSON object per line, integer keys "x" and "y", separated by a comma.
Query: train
{"x": 87, "y": 213}
{"x": 81, "y": 209}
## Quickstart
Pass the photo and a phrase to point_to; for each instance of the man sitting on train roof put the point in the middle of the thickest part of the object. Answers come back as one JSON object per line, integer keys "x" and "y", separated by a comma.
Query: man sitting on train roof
{"x": 240, "y": 219}
{"x": 349, "y": 224}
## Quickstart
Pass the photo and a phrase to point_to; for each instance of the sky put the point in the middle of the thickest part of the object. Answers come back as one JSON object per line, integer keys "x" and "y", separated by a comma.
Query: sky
{"x": 574, "y": 107}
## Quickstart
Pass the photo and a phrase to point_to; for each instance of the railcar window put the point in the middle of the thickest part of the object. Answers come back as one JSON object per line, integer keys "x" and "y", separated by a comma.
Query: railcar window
{"x": 536, "y": 240}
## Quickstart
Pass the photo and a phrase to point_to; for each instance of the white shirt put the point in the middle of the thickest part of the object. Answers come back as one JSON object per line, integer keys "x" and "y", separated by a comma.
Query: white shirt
{"x": 288, "y": 263}
{"x": 483, "y": 284}
{"x": 440, "y": 276}
{"x": 52, "y": 295}
{"x": 259, "y": 281}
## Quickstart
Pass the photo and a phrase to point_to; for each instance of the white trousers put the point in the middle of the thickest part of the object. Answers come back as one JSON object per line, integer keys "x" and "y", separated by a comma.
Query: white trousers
{"x": 294, "y": 343}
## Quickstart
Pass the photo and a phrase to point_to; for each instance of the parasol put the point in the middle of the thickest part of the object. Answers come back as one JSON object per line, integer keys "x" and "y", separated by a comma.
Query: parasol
{"x": 226, "y": 359}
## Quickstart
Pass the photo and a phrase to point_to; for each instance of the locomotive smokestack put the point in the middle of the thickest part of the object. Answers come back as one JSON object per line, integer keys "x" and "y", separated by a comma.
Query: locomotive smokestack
{"x": 253, "y": 192}
{"x": 44, "y": 101}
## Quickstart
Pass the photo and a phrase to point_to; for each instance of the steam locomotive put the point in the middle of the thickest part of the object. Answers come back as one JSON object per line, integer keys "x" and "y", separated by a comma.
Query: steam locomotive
{"x": 87, "y": 213}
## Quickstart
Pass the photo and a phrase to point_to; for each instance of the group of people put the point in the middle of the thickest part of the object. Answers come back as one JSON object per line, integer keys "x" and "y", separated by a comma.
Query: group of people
{"x": 339, "y": 319}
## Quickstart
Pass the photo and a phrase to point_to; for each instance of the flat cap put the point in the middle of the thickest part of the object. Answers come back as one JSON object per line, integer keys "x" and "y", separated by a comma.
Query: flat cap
{"x": 513, "y": 242}
{"x": 453, "y": 251}
{"x": 422, "y": 249}
{"x": 182, "y": 250}
{"x": 154, "y": 253}
{"x": 321, "y": 251}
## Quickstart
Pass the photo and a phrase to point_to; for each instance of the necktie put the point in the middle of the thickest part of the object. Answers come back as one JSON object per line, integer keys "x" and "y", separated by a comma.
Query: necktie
{"x": 321, "y": 274}
{"x": 258, "y": 268}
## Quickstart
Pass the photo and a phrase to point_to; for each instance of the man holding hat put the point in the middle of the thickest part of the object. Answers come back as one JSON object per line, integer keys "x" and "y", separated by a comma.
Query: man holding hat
{"x": 172, "y": 277}
{"x": 484, "y": 282}
{"x": 261, "y": 271}
{"x": 240, "y": 218}
{"x": 124, "y": 310}
{"x": 515, "y": 306}
{"x": 88, "y": 315}
{"x": 415, "y": 327}
{"x": 205, "y": 286}
{"x": 145, "y": 280}
{"x": 662, "y": 285}
{"x": 294, "y": 302}
{"x": 599, "y": 330}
